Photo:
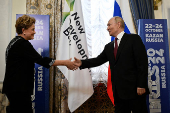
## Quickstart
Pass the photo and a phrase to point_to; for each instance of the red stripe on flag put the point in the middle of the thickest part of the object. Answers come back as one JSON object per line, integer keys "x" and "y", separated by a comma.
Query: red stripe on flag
{"x": 109, "y": 86}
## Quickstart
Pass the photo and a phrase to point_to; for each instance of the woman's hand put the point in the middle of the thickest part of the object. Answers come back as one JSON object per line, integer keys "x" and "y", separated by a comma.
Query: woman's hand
{"x": 71, "y": 65}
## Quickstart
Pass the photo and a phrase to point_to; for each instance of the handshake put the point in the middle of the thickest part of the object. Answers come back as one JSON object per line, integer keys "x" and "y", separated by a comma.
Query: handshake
{"x": 72, "y": 65}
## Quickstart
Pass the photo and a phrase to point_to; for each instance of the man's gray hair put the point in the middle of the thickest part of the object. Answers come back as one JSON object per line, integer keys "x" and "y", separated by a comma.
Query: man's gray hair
{"x": 119, "y": 19}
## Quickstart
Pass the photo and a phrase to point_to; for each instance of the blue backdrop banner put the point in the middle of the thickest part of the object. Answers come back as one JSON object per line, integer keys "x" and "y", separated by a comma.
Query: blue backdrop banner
{"x": 40, "y": 97}
{"x": 155, "y": 37}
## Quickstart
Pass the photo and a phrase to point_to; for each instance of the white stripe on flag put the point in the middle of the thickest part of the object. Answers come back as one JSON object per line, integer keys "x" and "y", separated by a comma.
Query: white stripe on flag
{"x": 126, "y": 14}
{"x": 72, "y": 43}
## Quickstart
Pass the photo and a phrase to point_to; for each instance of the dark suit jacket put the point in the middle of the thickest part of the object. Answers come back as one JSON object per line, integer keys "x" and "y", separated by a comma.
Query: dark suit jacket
{"x": 20, "y": 60}
{"x": 130, "y": 68}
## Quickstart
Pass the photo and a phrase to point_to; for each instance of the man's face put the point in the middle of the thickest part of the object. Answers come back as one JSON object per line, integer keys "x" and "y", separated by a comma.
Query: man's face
{"x": 112, "y": 27}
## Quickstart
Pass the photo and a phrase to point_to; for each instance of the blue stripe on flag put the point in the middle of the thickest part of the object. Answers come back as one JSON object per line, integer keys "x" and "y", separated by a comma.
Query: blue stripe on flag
{"x": 117, "y": 12}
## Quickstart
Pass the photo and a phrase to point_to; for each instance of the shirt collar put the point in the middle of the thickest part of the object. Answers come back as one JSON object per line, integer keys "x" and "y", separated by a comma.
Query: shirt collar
{"x": 120, "y": 35}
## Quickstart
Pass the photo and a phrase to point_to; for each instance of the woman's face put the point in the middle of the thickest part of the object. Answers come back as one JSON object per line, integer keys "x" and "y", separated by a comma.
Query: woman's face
{"x": 29, "y": 33}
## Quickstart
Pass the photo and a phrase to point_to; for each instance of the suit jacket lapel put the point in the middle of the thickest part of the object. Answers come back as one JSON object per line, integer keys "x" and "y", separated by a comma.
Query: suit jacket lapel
{"x": 121, "y": 45}
{"x": 112, "y": 49}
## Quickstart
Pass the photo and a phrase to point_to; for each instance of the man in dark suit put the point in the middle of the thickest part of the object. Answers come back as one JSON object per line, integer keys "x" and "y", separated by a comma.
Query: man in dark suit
{"x": 129, "y": 68}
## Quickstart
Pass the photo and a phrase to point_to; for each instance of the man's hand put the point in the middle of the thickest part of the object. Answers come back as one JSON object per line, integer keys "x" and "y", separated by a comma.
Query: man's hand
{"x": 70, "y": 65}
{"x": 77, "y": 62}
{"x": 141, "y": 91}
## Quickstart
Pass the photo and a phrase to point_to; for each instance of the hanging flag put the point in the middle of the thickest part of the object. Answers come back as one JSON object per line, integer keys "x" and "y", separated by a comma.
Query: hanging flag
{"x": 127, "y": 18}
{"x": 72, "y": 43}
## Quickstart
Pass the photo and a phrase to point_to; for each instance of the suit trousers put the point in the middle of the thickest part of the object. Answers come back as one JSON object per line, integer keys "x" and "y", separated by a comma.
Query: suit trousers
{"x": 20, "y": 102}
{"x": 137, "y": 105}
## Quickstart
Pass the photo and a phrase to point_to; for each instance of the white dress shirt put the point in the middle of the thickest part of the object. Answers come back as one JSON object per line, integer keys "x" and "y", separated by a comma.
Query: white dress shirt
{"x": 119, "y": 36}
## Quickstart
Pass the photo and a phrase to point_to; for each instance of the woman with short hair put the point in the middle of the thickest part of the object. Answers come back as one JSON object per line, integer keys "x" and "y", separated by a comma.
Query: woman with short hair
{"x": 20, "y": 60}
